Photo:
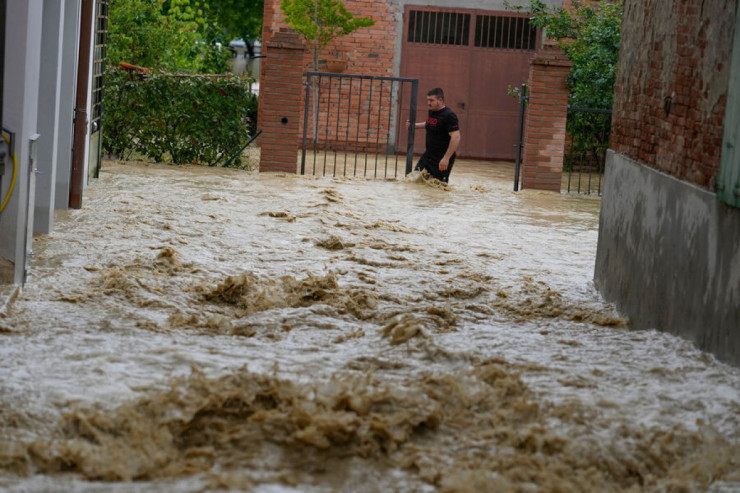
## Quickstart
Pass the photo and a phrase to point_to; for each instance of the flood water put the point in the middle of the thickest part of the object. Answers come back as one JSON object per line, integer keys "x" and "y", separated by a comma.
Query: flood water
{"x": 198, "y": 329}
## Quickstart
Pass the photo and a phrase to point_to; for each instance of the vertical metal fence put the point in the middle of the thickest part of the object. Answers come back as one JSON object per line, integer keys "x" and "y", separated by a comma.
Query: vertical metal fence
{"x": 585, "y": 156}
{"x": 355, "y": 125}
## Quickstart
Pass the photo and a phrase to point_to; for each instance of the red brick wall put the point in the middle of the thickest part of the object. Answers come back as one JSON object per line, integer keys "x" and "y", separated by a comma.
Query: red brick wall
{"x": 670, "y": 94}
{"x": 547, "y": 113}
{"x": 369, "y": 51}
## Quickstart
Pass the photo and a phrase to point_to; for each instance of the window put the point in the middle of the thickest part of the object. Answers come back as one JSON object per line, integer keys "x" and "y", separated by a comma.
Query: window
{"x": 506, "y": 33}
{"x": 99, "y": 52}
{"x": 445, "y": 28}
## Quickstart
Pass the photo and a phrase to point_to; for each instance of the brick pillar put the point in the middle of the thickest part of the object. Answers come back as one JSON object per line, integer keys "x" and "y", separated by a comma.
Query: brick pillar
{"x": 547, "y": 113}
{"x": 271, "y": 18}
{"x": 280, "y": 102}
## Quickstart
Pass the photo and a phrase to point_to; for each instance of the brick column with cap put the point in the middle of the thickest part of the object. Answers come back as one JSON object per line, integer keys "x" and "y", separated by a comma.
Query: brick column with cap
{"x": 547, "y": 113}
{"x": 280, "y": 102}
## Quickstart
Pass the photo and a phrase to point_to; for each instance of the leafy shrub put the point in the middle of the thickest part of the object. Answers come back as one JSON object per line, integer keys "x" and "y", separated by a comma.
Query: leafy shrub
{"x": 168, "y": 37}
{"x": 185, "y": 119}
{"x": 589, "y": 33}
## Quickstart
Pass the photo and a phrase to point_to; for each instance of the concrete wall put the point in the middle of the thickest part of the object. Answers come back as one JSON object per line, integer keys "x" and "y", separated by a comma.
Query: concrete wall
{"x": 669, "y": 256}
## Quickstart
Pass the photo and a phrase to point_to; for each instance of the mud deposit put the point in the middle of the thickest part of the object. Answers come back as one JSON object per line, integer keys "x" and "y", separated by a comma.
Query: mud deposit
{"x": 195, "y": 329}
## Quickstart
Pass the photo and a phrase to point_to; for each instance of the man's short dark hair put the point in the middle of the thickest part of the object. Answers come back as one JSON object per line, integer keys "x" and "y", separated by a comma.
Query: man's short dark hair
{"x": 437, "y": 92}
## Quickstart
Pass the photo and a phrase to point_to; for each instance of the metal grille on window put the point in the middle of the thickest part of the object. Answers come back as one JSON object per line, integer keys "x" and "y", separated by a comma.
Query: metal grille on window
{"x": 101, "y": 35}
{"x": 445, "y": 28}
{"x": 506, "y": 33}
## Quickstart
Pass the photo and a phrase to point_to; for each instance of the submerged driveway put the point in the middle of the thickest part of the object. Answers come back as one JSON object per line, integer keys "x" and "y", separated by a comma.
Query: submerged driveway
{"x": 198, "y": 329}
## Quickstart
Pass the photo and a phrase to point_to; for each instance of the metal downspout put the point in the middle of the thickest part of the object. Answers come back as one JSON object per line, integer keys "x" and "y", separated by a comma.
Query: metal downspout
{"x": 77, "y": 175}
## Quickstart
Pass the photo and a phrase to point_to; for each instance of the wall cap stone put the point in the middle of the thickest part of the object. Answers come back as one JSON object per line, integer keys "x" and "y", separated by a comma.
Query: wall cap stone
{"x": 551, "y": 54}
{"x": 286, "y": 40}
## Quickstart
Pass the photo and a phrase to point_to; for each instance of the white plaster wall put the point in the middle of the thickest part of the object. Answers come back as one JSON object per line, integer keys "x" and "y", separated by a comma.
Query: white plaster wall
{"x": 48, "y": 114}
{"x": 20, "y": 110}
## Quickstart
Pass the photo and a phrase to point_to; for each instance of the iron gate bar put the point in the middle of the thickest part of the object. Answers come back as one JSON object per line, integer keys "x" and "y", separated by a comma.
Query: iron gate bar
{"x": 307, "y": 85}
{"x": 357, "y": 132}
{"x": 412, "y": 128}
{"x": 399, "y": 118}
{"x": 523, "y": 98}
{"x": 346, "y": 136}
{"x": 328, "y": 111}
{"x": 367, "y": 132}
{"x": 336, "y": 132}
{"x": 314, "y": 95}
{"x": 315, "y": 123}
{"x": 377, "y": 129}
{"x": 388, "y": 137}
{"x": 599, "y": 156}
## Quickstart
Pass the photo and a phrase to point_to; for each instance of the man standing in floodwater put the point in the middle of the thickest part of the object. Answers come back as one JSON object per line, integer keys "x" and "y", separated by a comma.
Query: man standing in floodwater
{"x": 442, "y": 139}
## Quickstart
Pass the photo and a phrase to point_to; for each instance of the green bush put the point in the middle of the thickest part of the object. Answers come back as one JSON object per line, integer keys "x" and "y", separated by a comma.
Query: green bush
{"x": 169, "y": 38}
{"x": 182, "y": 119}
{"x": 589, "y": 34}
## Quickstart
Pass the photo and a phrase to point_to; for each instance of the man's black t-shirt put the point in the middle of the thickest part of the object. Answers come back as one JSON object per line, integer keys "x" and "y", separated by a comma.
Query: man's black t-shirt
{"x": 438, "y": 126}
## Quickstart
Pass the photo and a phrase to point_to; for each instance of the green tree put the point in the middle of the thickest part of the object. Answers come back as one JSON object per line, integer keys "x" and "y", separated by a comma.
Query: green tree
{"x": 237, "y": 18}
{"x": 219, "y": 20}
{"x": 139, "y": 35}
{"x": 320, "y": 21}
{"x": 169, "y": 36}
{"x": 589, "y": 35}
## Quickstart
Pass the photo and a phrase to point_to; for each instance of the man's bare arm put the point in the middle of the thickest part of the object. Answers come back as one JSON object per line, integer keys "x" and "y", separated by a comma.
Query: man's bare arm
{"x": 454, "y": 143}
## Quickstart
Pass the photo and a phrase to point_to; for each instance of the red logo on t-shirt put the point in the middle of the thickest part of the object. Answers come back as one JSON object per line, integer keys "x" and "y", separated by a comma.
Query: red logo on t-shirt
{"x": 431, "y": 121}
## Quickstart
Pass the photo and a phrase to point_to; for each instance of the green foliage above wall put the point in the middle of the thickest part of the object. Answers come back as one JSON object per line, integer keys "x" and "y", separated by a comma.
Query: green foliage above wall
{"x": 320, "y": 21}
{"x": 589, "y": 35}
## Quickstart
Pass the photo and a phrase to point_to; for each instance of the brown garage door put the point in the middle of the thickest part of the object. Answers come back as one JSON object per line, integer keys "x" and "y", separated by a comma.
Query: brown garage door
{"x": 474, "y": 56}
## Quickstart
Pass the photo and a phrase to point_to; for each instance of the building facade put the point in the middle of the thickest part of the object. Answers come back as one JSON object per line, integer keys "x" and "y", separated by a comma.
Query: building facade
{"x": 474, "y": 49}
{"x": 669, "y": 236}
{"x": 47, "y": 87}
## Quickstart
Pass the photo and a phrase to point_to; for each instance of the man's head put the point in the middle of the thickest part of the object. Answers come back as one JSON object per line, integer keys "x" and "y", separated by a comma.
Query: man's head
{"x": 436, "y": 99}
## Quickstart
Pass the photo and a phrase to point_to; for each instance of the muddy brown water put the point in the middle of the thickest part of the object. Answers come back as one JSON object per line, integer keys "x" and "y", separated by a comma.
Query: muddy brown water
{"x": 195, "y": 329}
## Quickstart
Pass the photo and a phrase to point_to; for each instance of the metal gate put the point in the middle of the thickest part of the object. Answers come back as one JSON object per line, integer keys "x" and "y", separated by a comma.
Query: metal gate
{"x": 588, "y": 132}
{"x": 584, "y": 156}
{"x": 352, "y": 125}
{"x": 474, "y": 56}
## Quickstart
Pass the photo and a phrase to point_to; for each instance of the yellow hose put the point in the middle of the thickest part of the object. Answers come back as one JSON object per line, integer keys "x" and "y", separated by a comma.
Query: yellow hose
{"x": 12, "y": 181}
